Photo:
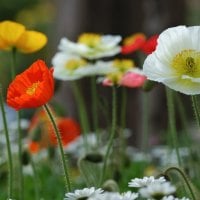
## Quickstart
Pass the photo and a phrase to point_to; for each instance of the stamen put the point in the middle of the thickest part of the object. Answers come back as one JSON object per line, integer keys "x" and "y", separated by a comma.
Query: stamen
{"x": 31, "y": 90}
{"x": 190, "y": 62}
{"x": 90, "y": 39}
{"x": 73, "y": 64}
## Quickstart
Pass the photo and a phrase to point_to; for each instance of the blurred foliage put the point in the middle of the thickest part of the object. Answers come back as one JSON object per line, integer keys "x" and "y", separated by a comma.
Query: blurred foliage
{"x": 10, "y": 8}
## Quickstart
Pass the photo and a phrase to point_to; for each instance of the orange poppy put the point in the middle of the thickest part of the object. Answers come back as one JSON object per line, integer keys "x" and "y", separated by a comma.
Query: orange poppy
{"x": 32, "y": 88}
{"x": 133, "y": 43}
{"x": 42, "y": 135}
{"x": 69, "y": 130}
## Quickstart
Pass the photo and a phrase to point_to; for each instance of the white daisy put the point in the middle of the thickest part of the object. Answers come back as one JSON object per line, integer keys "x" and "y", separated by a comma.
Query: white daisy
{"x": 129, "y": 195}
{"x": 83, "y": 194}
{"x": 176, "y": 60}
{"x": 174, "y": 198}
{"x": 142, "y": 182}
{"x": 157, "y": 190}
{"x": 92, "y": 46}
{"x": 106, "y": 196}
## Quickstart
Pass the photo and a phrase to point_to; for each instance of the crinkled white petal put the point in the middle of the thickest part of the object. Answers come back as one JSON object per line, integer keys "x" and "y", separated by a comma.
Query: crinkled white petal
{"x": 157, "y": 66}
{"x": 94, "y": 70}
{"x": 108, "y": 46}
{"x": 109, "y": 41}
{"x": 72, "y": 47}
{"x": 60, "y": 72}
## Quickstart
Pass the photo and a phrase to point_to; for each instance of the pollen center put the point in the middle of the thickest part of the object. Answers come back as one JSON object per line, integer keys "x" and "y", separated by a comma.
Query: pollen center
{"x": 73, "y": 64}
{"x": 187, "y": 62}
{"x": 31, "y": 90}
{"x": 89, "y": 39}
{"x": 123, "y": 65}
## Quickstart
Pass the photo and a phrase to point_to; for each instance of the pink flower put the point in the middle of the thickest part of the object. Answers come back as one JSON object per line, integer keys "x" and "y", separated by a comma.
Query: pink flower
{"x": 133, "y": 80}
{"x": 107, "y": 82}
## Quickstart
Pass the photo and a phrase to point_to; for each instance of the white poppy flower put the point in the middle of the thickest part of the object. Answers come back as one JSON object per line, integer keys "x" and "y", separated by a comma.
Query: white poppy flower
{"x": 145, "y": 181}
{"x": 84, "y": 193}
{"x": 176, "y": 60}
{"x": 73, "y": 67}
{"x": 92, "y": 46}
{"x": 66, "y": 65}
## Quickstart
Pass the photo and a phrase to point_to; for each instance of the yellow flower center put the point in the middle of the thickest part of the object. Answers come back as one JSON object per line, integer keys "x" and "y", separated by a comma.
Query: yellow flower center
{"x": 31, "y": 90}
{"x": 74, "y": 64}
{"x": 115, "y": 77}
{"x": 89, "y": 39}
{"x": 124, "y": 64}
{"x": 187, "y": 62}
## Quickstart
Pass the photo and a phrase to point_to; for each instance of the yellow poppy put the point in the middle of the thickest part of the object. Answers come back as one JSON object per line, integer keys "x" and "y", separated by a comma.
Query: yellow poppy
{"x": 13, "y": 34}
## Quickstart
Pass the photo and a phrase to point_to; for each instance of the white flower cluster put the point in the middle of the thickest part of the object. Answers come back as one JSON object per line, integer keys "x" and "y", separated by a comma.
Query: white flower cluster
{"x": 149, "y": 188}
{"x": 73, "y": 60}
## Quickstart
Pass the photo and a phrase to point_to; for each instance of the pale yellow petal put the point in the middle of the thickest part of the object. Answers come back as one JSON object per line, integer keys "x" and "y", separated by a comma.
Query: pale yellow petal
{"x": 31, "y": 41}
{"x": 10, "y": 32}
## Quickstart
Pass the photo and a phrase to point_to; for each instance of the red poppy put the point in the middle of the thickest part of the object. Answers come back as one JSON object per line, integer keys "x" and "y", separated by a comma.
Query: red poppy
{"x": 150, "y": 45}
{"x": 41, "y": 133}
{"x": 34, "y": 147}
{"x": 133, "y": 43}
{"x": 32, "y": 88}
{"x": 69, "y": 130}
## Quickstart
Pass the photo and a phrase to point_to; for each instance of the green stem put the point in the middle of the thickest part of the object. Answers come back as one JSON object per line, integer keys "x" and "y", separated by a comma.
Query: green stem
{"x": 21, "y": 180}
{"x": 113, "y": 131}
{"x": 21, "y": 183}
{"x": 63, "y": 158}
{"x": 196, "y": 108}
{"x": 187, "y": 136}
{"x": 145, "y": 114}
{"x": 82, "y": 113}
{"x": 10, "y": 164}
{"x": 36, "y": 181}
{"x": 95, "y": 107}
{"x": 184, "y": 177}
{"x": 122, "y": 138}
{"x": 172, "y": 122}
{"x": 123, "y": 108}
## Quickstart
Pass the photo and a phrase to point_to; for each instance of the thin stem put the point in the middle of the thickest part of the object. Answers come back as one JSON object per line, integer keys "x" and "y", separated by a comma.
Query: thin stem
{"x": 185, "y": 179}
{"x": 82, "y": 113}
{"x": 145, "y": 114}
{"x": 95, "y": 107}
{"x": 122, "y": 139}
{"x": 21, "y": 180}
{"x": 172, "y": 122}
{"x": 123, "y": 108}
{"x": 36, "y": 181}
{"x": 113, "y": 131}
{"x": 63, "y": 157}
{"x": 10, "y": 164}
{"x": 196, "y": 108}
{"x": 21, "y": 183}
